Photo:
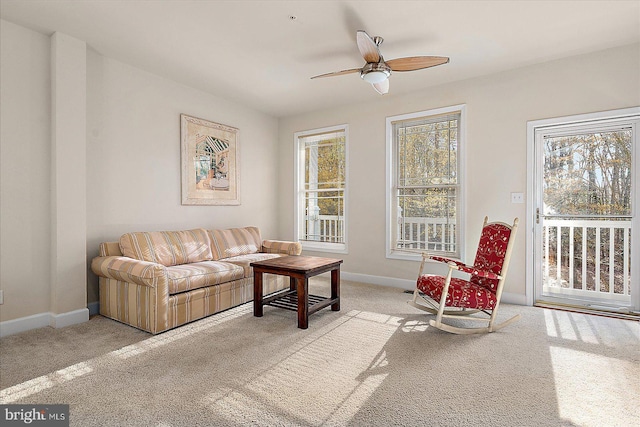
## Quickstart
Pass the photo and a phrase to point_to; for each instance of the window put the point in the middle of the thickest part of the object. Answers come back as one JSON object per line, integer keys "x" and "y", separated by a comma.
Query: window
{"x": 321, "y": 188}
{"x": 424, "y": 191}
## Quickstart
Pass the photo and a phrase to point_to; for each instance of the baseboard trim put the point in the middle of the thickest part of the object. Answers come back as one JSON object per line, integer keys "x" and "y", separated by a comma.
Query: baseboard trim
{"x": 379, "y": 280}
{"x": 15, "y": 326}
{"x": 517, "y": 299}
{"x": 94, "y": 308}
{"x": 507, "y": 297}
{"x": 69, "y": 318}
{"x": 41, "y": 320}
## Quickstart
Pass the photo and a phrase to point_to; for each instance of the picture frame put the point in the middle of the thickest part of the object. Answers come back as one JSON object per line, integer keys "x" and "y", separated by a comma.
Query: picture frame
{"x": 210, "y": 162}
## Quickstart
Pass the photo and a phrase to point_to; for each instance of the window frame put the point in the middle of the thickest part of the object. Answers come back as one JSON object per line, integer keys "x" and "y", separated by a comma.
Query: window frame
{"x": 392, "y": 188}
{"x": 299, "y": 191}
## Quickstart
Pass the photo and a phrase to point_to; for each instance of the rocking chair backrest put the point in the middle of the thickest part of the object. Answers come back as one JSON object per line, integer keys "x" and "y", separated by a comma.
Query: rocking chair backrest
{"x": 491, "y": 254}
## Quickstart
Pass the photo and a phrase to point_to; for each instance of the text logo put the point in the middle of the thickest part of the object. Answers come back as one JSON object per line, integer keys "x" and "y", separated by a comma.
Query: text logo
{"x": 35, "y": 415}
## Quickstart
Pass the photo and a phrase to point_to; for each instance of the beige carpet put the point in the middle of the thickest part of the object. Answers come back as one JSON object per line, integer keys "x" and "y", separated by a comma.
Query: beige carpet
{"x": 374, "y": 363}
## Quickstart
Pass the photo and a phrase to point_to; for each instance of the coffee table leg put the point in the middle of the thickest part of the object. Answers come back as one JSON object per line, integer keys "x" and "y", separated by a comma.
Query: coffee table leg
{"x": 257, "y": 293}
{"x": 335, "y": 288}
{"x": 303, "y": 302}
{"x": 292, "y": 283}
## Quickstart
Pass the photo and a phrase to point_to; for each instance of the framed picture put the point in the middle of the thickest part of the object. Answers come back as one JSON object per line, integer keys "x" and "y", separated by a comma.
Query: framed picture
{"x": 210, "y": 167}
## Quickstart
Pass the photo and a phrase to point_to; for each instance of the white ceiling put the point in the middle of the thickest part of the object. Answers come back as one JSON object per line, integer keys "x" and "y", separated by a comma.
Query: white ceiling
{"x": 253, "y": 53}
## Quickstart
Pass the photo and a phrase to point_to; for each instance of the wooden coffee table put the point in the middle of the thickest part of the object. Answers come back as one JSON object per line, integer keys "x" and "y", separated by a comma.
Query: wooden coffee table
{"x": 297, "y": 298}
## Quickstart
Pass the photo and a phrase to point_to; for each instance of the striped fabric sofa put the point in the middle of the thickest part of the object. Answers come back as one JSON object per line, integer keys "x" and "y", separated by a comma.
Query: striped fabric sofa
{"x": 159, "y": 280}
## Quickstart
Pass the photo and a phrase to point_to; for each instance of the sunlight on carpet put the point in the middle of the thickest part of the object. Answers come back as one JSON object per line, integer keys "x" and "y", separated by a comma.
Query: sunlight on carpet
{"x": 44, "y": 382}
{"x": 36, "y": 385}
{"x": 583, "y": 397}
{"x": 327, "y": 376}
{"x": 181, "y": 332}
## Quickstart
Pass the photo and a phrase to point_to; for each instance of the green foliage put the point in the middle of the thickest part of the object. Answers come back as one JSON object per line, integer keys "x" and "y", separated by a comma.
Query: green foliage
{"x": 330, "y": 175}
{"x": 427, "y": 169}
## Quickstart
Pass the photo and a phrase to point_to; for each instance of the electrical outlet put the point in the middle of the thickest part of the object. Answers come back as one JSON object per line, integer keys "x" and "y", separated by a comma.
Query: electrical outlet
{"x": 517, "y": 197}
{"x": 1, "y": 296}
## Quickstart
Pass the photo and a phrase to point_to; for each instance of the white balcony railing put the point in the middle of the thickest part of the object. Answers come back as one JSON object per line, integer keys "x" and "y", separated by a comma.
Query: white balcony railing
{"x": 435, "y": 234}
{"x": 587, "y": 258}
{"x": 325, "y": 228}
{"x": 416, "y": 233}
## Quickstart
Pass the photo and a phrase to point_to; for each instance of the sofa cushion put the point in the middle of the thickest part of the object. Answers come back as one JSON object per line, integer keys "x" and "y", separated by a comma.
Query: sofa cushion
{"x": 110, "y": 249}
{"x": 244, "y": 261}
{"x": 234, "y": 242}
{"x": 196, "y": 275}
{"x": 167, "y": 247}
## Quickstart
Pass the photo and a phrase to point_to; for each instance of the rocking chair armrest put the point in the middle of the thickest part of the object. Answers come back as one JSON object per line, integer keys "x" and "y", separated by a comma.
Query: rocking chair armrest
{"x": 446, "y": 260}
{"x": 474, "y": 271}
{"x": 457, "y": 265}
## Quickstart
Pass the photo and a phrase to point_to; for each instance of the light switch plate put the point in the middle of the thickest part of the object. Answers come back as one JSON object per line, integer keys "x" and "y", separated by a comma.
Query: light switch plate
{"x": 517, "y": 197}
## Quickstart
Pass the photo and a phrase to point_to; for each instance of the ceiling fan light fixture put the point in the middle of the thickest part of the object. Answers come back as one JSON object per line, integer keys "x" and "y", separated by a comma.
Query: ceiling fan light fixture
{"x": 375, "y": 76}
{"x": 375, "y": 72}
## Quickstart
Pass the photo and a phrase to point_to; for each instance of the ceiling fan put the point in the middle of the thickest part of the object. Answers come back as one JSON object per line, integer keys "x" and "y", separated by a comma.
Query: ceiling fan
{"x": 377, "y": 71}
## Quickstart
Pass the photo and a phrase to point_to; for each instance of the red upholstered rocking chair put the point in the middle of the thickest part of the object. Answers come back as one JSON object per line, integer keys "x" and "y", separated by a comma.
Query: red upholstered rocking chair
{"x": 480, "y": 294}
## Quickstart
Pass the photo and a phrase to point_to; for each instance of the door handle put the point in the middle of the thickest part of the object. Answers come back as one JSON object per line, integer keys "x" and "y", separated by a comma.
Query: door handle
{"x": 537, "y": 215}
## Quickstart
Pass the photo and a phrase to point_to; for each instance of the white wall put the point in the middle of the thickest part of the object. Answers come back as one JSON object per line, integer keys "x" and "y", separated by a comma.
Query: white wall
{"x": 25, "y": 169}
{"x": 498, "y": 108}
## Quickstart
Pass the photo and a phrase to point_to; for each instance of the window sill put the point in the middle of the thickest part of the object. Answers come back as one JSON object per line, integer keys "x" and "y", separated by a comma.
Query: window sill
{"x": 405, "y": 256}
{"x": 417, "y": 256}
{"x": 337, "y": 248}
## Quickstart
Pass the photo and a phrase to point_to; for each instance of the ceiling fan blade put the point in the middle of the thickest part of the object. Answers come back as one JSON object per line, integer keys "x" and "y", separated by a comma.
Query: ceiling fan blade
{"x": 367, "y": 47}
{"x": 382, "y": 87}
{"x": 416, "y": 62}
{"x": 338, "y": 73}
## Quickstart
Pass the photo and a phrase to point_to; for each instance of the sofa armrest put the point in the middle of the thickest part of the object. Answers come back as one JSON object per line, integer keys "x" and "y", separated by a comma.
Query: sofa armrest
{"x": 281, "y": 247}
{"x": 127, "y": 269}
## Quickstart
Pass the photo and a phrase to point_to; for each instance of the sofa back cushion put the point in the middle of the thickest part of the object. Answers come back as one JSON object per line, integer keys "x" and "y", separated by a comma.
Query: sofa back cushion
{"x": 167, "y": 247}
{"x": 234, "y": 242}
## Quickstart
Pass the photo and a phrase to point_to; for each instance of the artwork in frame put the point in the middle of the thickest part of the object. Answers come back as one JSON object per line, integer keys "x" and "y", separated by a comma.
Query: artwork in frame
{"x": 210, "y": 167}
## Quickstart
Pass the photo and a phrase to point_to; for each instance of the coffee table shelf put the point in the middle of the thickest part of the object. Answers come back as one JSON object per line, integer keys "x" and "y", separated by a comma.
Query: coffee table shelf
{"x": 289, "y": 301}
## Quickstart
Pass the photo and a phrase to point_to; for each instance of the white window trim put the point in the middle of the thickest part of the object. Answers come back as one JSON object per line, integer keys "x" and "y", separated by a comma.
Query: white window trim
{"x": 339, "y": 248}
{"x": 462, "y": 141}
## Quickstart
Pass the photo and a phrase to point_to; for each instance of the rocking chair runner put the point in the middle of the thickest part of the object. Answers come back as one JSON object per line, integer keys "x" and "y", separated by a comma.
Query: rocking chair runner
{"x": 481, "y": 293}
